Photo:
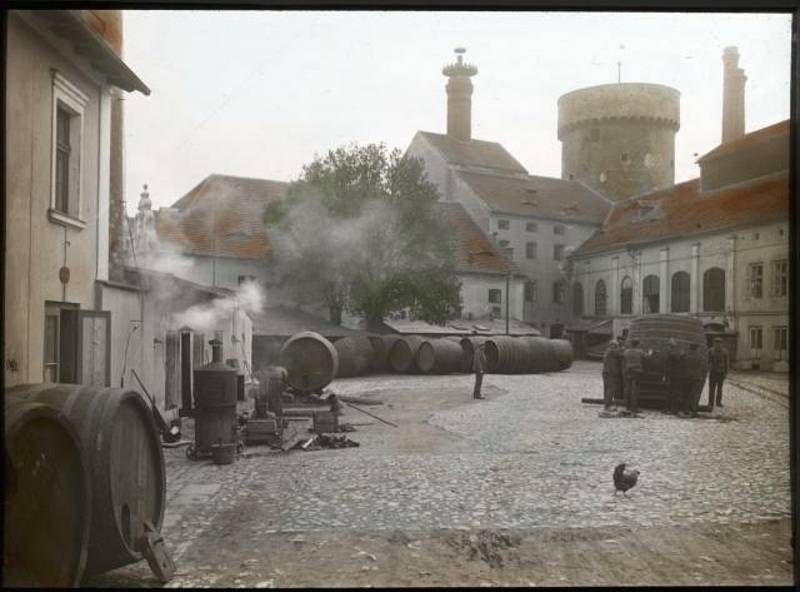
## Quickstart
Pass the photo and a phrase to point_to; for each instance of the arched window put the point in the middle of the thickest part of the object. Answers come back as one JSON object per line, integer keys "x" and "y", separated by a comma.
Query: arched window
{"x": 600, "y": 298}
{"x": 626, "y": 296}
{"x": 714, "y": 290}
{"x": 650, "y": 287}
{"x": 577, "y": 299}
{"x": 681, "y": 283}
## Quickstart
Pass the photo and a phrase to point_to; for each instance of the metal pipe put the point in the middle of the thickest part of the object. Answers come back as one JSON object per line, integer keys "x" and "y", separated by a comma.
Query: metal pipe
{"x": 508, "y": 288}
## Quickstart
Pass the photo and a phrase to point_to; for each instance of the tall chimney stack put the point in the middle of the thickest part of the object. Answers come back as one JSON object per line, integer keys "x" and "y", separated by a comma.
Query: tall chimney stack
{"x": 732, "y": 96}
{"x": 459, "y": 97}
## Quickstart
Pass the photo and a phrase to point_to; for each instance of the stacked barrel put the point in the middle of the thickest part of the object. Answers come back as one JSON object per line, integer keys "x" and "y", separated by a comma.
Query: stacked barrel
{"x": 313, "y": 362}
{"x": 84, "y": 476}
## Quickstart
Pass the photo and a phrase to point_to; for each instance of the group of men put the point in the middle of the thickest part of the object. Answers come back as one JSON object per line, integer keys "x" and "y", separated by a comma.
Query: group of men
{"x": 683, "y": 374}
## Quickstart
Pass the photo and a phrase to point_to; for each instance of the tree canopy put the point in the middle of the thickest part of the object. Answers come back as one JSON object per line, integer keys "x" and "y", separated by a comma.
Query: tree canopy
{"x": 359, "y": 231}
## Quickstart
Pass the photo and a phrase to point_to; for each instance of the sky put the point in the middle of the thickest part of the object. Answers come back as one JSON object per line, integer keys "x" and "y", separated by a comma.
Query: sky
{"x": 260, "y": 93}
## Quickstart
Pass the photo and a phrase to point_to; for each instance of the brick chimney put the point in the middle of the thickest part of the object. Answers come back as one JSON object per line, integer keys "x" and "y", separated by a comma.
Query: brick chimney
{"x": 732, "y": 96}
{"x": 459, "y": 97}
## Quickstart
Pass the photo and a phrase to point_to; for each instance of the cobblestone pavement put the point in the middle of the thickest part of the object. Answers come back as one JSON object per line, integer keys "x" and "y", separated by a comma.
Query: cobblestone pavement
{"x": 530, "y": 457}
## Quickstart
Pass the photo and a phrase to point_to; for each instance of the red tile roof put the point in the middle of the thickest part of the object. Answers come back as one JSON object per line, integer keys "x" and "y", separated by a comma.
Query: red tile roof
{"x": 752, "y": 139}
{"x": 474, "y": 153}
{"x": 475, "y": 252}
{"x": 540, "y": 197}
{"x": 684, "y": 210}
{"x": 222, "y": 216}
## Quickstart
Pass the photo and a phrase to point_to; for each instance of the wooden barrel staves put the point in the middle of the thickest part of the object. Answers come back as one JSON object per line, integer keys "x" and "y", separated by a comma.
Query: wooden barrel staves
{"x": 310, "y": 360}
{"x": 356, "y": 356}
{"x": 47, "y": 511}
{"x": 388, "y": 343}
{"x": 468, "y": 345}
{"x": 439, "y": 356}
{"x": 404, "y": 352}
{"x": 654, "y": 332}
{"x": 122, "y": 452}
{"x": 562, "y": 349}
{"x": 381, "y": 353}
{"x": 506, "y": 355}
{"x": 541, "y": 355}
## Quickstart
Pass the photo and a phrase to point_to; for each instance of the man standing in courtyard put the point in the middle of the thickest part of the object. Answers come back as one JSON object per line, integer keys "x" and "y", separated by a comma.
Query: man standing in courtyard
{"x": 696, "y": 377}
{"x": 718, "y": 365}
{"x": 633, "y": 369}
{"x": 478, "y": 366}
{"x": 612, "y": 374}
{"x": 675, "y": 377}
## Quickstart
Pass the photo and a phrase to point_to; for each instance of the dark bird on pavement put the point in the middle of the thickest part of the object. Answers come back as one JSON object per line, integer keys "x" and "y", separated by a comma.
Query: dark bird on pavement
{"x": 624, "y": 480}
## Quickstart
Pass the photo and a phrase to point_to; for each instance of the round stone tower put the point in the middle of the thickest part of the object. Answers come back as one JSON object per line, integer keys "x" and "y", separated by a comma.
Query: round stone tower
{"x": 619, "y": 139}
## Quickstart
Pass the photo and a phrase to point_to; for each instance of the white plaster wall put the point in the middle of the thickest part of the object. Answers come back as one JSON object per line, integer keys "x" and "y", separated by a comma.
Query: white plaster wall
{"x": 475, "y": 295}
{"x": 35, "y": 247}
{"x": 731, "y": 251}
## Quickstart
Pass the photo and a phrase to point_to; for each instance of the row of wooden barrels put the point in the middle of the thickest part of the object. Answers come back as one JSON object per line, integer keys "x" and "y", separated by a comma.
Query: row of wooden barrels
{"x": 84, "y": 482}
{"x": 313, "y": 362}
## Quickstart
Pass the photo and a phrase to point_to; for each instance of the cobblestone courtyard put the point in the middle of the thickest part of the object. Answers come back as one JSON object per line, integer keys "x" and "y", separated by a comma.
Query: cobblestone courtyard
{"x": 528, "y": 470}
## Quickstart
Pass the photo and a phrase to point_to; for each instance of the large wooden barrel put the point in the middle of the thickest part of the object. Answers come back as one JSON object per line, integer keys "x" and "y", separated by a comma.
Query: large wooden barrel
{"x": 654, "y": 332}
{"x": 562, "y": 350}
{"x": 541, "y": 354}
{"x": 388, "y": 343}
{"x": 468, "y": 347}
{"x": 356, "y": 356}
{"x": 47, "y": 501}
{"x": 121, "y": 449}
{"x": 404, "y": 352}
{"x": 506, "y": 355}
{"x": 439, "y": 356}
{"x": 310, "y": 360}
{"x": 381, "y": 353}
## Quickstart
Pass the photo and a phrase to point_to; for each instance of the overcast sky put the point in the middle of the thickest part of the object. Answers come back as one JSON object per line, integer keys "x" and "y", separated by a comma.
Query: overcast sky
{"x": 259, "y": 93}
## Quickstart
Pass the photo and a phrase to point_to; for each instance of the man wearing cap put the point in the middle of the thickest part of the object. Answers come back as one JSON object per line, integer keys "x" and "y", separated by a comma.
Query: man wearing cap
{"x": 718, "y": 365}
{"x": 695, "y": 373}
{"x": 478, "y": 365}
{"x": 675, "y": 377}
{"x": 612, "y": 374}
{"x": 633, "y": 369}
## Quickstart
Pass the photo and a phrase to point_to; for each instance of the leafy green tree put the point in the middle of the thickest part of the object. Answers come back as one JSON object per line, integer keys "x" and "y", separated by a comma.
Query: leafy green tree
{"x": 359, "y": 231}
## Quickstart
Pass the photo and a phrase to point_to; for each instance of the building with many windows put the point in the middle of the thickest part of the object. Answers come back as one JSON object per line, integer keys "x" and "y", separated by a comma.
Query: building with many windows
{"x": 537, "y": 220}
{"x": 715, "y": 247}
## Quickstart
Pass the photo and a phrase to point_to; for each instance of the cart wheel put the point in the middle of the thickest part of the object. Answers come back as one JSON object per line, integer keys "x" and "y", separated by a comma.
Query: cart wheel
{"x": 190, "y": 452}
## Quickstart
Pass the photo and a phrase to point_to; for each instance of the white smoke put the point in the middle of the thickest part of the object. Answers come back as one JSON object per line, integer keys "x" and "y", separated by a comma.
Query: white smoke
{"x": 205, "y": 317}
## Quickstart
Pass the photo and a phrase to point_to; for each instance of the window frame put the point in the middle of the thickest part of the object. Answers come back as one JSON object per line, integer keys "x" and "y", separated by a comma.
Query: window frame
{"x": 600, "y": 298}
{"x": 530, "y": 288}
{"x": 558, "y": 252}
{"x": 68, "y": 98}
{"x": 626, "y": 296}
{"x": 780, "y": 278}
{"x": 709, "y": 297}
{"x": 531, "y": 227}
{"x": 654, "y": 283}
{"x": 752, "y": 331}
{"x": 498, "y": 292}
{"x": 531, "y": 249}
{"x": 559, "y": 229}
{"x": 678, "y": 296}
{"x": 780, "y": 346}
{"x": 753, "y": 278}
{"x": 503, "y": 224}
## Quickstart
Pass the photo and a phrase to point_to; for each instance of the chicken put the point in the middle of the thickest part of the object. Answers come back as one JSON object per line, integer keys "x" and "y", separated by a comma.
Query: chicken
{"x": 624, "y": 480}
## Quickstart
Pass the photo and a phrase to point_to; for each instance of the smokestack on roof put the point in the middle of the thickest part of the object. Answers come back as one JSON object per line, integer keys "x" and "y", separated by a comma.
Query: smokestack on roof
{"x": 732, "y": 96}
{"x": 459, "y": 97}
